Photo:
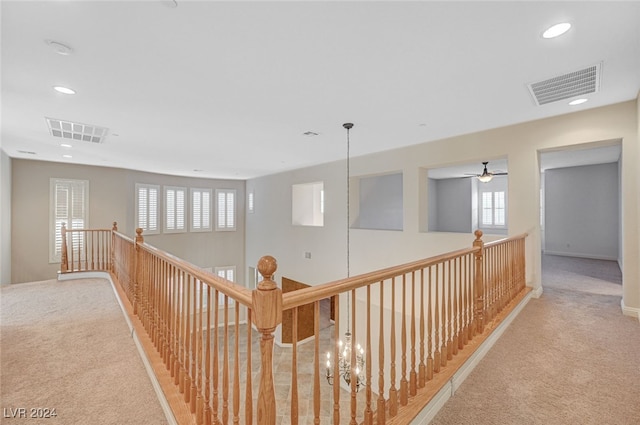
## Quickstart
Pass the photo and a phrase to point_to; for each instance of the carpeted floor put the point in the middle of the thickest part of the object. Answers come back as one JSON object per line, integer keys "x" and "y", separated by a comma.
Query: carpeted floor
{"x": 570, "y": 357}
{"x": 73, "y": 354}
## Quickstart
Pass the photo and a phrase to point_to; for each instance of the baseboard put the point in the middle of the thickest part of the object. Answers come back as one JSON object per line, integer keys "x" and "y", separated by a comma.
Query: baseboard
{"x": 578, "y": 255}
{"x": 537, "y": 292}
{"x": 427, "y": 414}
{"x": 630, "y": 311}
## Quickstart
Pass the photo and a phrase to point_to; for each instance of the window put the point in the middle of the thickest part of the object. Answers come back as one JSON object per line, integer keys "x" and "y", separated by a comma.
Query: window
{"x": 174, "y": 205}
{"x": 69, "y": 204}
{"x": 147, "y": 208}
{"x": 307, "y": 204}
{"x": 250, "y": 203}
{"x": 228, "y": 273}
{"x": 226, "y": 214}
{"x": 200, "y": 210}
{"x": 492, "y": 210}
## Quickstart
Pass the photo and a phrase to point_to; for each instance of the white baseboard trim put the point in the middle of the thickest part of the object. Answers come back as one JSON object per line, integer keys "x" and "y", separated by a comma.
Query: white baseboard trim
{"x": 537, "y": 292}
{"x": 630, "y": 311}
{"x": 578, "y": 255}
{"x": 164, "y": 404}
{"x": 429, "y": 412}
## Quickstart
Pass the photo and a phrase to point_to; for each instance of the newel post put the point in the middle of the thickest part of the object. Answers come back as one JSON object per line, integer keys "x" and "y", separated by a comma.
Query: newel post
{"x": 64, "y": 261}
{"x": 137, "y": 267}
{"x": 267, "y": 315}
{"x": 479, "y": 283}
{"x": 114, "y": 229}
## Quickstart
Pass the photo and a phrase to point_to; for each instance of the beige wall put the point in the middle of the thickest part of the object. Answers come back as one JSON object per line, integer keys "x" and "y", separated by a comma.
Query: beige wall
{"x": 5, "y": 218}
{"x": 269, "y": 229}
{"x": 111, "y": 198}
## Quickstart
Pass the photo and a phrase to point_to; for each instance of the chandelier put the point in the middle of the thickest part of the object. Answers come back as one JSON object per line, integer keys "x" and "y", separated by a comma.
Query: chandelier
{"x": 344, "y": 363}
{"x": 345, "y": 353}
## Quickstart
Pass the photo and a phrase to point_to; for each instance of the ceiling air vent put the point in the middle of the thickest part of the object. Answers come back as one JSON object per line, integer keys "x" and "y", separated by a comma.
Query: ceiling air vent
{"x": 76, "y": 131}
{"x": 566, "y": 86}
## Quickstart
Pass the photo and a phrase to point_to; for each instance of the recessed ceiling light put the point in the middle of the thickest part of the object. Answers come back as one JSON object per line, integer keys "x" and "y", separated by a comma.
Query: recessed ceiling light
{"x": 67, "y": 156}
{"x": 577, "y": 101}
{"x": 556, "y": 30}
{"x": 65, "y": 145}
{"x": 64, "y": 90}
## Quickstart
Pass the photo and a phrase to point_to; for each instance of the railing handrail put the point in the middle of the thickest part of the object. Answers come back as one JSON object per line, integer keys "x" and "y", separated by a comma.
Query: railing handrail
{"x": 123, "y": 236}
{"x": 236, "y": 292}
{"x": 314, "y": 293}
{"x": 89, "y": 230}
{"x": 508, "y": 239}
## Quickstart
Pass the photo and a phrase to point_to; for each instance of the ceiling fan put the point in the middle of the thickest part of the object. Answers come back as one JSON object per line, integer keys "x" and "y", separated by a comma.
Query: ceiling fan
{"x": 486, "y": 176}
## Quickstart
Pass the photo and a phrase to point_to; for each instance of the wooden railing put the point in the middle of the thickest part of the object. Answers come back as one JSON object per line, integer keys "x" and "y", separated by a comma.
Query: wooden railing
{"x": 417, "y": 323}
{"x": 85, "y": 249}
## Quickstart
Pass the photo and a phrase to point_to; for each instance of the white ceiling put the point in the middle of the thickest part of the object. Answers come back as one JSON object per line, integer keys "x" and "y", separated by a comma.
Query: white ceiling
{"x": 229, "y": 88}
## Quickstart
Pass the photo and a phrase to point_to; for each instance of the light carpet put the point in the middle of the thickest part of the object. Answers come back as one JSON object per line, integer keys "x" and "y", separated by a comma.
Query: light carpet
{"x": 72, "y": 353}
{"x": 570, "y": 357}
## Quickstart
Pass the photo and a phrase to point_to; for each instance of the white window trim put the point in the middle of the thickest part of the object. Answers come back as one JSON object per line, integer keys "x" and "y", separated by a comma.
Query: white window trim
{"x": 146, "y": 230}
{"x": 226, "y": 226}
{"x": 175, "y": 211}
{"x": 493, "y": 210}
{"x": 192, "y": 226}
{"x": 54, "y": 254}
{"x": 251, "y": 199}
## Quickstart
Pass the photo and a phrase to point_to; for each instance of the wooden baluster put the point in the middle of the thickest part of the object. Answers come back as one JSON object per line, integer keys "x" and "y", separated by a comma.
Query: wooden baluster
{"x": 463, "y": 308}
{"x": 169, "y": 317}
{"x": 193, "y": 346}
{"x": 178, "y": 379}
{"x": 199, "y": 393}
{"x": 478, "y": 284}
{"x": 450, "y": 312}
{"x": 137, "y": 266}
{"x": 93, "y": 241}
{"x": 236, "y": 368}
{"x": 184, "y": 289}
{"x": 354, "y": 376}
{"x": 164, "y": 301}
{"x": 248, "y": 405}
{"x": 267, "y": 306}
{"x": 64, "y": 260}
{"x": 368, "y": 412}
{"x": 225, "y": 363}
{"x": 380, "y": 408}
{"x": 175, "y": 369}
{"x": 72, "y": 249}
{"x": 455, "y": 306}
{"x": 294, "y": 367}
{"x": 216, "y": 353}
{"x": 422, "y": 367}
{"x": 430, "y": 359}
{"x": 187, "y": 345}
{"x": 336, "y": 371}
{"x": 413, "y": 376}
{"x": 393, "y": 393}
{"x": 112, "y": 251}
{"x": 437, "y": 362}
{"x": 404, "y": 384}
{"x": 207, "y": 361}
{"x": 445, "y": 353}
{"x": 316, "y": 362}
